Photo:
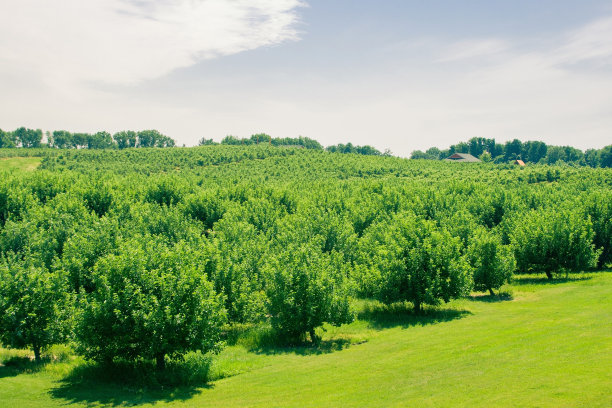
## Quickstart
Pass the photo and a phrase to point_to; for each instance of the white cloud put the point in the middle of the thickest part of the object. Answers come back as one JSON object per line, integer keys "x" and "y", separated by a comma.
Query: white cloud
{"x": 592, "y": 42}
{"x": 475, "y": 48}
{"x": 126, "y": 41}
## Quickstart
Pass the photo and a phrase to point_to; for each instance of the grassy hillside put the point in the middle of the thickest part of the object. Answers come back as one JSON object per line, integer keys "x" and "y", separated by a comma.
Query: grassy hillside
{"x": 549, "y": 346}
{"x": 20, "y": 163}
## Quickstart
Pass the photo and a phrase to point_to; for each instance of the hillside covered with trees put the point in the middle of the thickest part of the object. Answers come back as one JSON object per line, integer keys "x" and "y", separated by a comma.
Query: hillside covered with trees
{"x": 270, "y": 235}
{"x": 530, "y": 152}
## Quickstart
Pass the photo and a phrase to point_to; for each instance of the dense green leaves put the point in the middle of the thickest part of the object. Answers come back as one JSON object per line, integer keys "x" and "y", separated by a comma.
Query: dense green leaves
{"x": 416, "y": 262}
{"x": 149, "y": 301}
{"x": 305, "y": 291}
{"x": 34, "y": 306}
{"x": 554, "y": 241}
{"x": 493, "y": 263}
{"x": 258, "y": 234}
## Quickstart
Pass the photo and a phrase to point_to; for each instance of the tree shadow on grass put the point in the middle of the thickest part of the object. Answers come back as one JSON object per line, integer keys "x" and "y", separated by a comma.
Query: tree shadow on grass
{"x": 304, "y": 348}
{"x": 262, "y": 339}
{"x": 499, "y": 297}
{"x": 543, "y": 280}
{"x": 15, "y": 366}
{"x": 402, "y": 315}
{"x": 126, "y": 384}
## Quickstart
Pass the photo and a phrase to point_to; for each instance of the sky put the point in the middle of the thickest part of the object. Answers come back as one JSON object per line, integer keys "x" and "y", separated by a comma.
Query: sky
{"x": 395, "y": 74}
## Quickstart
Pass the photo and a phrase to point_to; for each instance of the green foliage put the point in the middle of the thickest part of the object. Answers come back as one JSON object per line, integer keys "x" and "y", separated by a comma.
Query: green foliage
{"x": 531, "y": 151}
{"x": 7, "y": 139}
{"x": 149, "y": 301}
{"x": 261, "y": 223}
{"x": 204, "y": 207}
{"x": 28, "y": 137}
{"x": 553, "y": 241}
{"x": 486, "y": 157}
{"x": 305, "y": 291}
{"x": 599, "y": 209}
{"x": 98, "y": 199}
{"x": 34, "y": 306}
{"x": 350, "y": 148}
{"x": 415, "y": 261}
{"x": 165, "y": 192}
{"x": 492, "y": 262}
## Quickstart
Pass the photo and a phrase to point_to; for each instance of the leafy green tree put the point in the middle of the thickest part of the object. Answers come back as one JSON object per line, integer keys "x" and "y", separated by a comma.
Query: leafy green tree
{"x": 153, "y": 138}
{"x": 100, "y": 140}
{"x": 205, "y": 207}
{"x": 150, "y": 301}
{"x": 415, "y": 261}
{"x": 305, "y": 290}
{"x": 512, "y": 150}
{"x": 477, "y": 146}
{"x": 166, "y": 191}
{"x": 492, "y": 262}
{"x": 206, "y": 142}
{"x": 80, "y": 140}
{"x": 534, "y": 151}
{"x": 261, "y": 138}
{"x": 553, "y": 240}
{"x": 34, "y": 306}
{"x": 125, "y": 139}
{"x": 232, "y": 140}
{"x": 6, "y": 140}
{"x": 606, "y": 157}
{"x": 237, "y": 254}
{"x": 599, "y": 210}
{"x": 485, "y": 157}
{"x": 98, "y": 198}
{"x": 28, "y": 137}
{"x": 61, "y": 139}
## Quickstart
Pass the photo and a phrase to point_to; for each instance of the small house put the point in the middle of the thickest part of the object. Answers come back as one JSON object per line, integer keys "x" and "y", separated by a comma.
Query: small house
{"x": 519, "y": 163}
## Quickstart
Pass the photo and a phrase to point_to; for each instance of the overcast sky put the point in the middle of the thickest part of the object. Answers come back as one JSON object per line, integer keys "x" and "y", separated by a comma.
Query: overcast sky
{"x": 398, "y": 74}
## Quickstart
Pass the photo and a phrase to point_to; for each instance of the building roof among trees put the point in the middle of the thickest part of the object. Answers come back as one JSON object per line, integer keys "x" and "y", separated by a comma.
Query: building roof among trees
{"x": 462, "y": 157}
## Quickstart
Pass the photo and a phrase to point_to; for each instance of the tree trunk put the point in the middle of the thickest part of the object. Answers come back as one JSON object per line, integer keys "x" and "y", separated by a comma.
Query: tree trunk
{"x": 313, "y": 336}
{"x": 417, "y": 306}
{"x": 549, "y": 275}
{"x": 36, "y": 353}
{"x": 491, "y": 292}
{"x": 160, "y": 361}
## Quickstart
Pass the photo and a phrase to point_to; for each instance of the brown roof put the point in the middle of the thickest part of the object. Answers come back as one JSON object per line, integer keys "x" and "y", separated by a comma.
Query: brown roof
{"x": 519, "y": 162}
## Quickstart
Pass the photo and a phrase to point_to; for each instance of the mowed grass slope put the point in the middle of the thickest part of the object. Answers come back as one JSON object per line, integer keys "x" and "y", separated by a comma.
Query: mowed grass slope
{"x": 551, "y": 346}
{"x": 20, "y": 163}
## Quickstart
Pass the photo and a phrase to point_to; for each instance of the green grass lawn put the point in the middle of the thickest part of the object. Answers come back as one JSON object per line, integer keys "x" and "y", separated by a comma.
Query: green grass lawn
{"x": 20, "y": 163}
{"x": 548, "y": 345}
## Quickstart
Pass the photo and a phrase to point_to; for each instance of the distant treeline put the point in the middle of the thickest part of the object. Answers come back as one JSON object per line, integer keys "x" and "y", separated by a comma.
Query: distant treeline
{"x": 62, "y": 139}
{"x": 529, "y": 152}
{"x": 301, "y": 141}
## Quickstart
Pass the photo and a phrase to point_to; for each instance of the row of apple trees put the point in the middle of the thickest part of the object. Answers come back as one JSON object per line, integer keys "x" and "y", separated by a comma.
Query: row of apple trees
{"x": 150, "y": 265}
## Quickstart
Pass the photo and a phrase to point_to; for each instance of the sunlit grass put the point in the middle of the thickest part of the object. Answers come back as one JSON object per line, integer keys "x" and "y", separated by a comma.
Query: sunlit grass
{"x": 20, "y": 163}
{"x": 538, "y": 343}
